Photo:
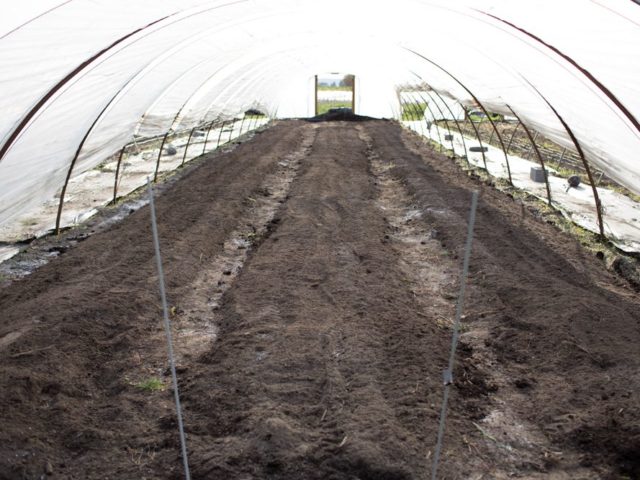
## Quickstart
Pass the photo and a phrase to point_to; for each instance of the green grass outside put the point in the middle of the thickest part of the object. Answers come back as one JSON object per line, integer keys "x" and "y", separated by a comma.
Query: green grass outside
{"x": 333, "y": 89}
{"x": 324, "y": 107}
{"x": 413, "y": 111}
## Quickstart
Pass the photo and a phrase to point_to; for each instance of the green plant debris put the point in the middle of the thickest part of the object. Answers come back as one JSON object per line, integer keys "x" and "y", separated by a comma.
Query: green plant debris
{"x": 153, "y": 384}
{"x": 413, "y": 111}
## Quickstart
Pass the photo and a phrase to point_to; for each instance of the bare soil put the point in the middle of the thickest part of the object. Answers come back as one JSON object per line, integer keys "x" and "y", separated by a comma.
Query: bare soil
{"x": 312, "y": 274}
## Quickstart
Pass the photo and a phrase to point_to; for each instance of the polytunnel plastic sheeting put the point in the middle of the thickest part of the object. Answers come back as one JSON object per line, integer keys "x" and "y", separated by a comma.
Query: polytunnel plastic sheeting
{"x": 252, "y": 76}
{"x": 592, "y": 116}
{"x": 156, "y": 65}
{"x": 444, "y": 108}
{"x": 70, "y": 115}
{"x": 46, "y": 49}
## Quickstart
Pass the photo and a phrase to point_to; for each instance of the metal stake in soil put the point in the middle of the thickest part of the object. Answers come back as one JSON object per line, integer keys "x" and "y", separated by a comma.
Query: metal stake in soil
{"x": 167, "y": 327}
{"x": 448, "y": 374}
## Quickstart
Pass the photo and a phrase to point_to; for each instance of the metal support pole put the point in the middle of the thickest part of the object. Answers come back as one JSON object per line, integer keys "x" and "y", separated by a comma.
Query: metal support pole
{"x": 206, "y": 139}
{"x": 564, "y": 151}
{"x": 440, "y": 142}
{"x": 167, "y": 328}
{"x": 115, "y": 183}
{"x": 445, "y": 121}
{"x": 630, "y": 116}
{"x": 500, "y": 140}
{"x": 233, "y": 124}
{"x": 576, "y": 143}
{"x": 164, "y": 139}
{"x": 448, "y": 374}
{"x": 411, "y": 113}
{"x": 528, "y": 154}
{"x": 423, "y": 121}
{"x": 186, "y": 147}
{"x": 538, "y": 154}
{"x": 402, "y": 107}
{"x": 64, "y": 189}
{"x": 242, "y": 122}
{"x": 475, "y": 129}
{"x": 491, "y": 137}
{"x": 76, "y": 156}
{"x": 464, "y": 144}
{"x": 24, "y": 123}
{"x": 513, "y": 135}
{"x": 478, "y": 102}
{"x": 408, "y": 107}
{"x": 220, "y": 134}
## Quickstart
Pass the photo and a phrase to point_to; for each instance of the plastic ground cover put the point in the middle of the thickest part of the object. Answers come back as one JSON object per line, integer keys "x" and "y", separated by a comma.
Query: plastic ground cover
{"x": 621, "y": 214}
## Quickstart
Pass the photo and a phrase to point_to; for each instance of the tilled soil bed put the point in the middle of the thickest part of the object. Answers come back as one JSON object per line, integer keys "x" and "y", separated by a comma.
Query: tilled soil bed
{"x": 312, "y": 274}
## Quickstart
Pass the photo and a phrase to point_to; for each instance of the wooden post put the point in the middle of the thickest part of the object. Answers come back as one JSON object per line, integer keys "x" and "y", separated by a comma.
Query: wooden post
{"x": 115, "y": 184}
{"x": 242, "y": 123}
{"x": 316, "y": 96}
{"x": 186, "y": 147}
{"x": 220, "y": 134}
{"x": 353, "y": 94}
{"x": 164, "y": 139}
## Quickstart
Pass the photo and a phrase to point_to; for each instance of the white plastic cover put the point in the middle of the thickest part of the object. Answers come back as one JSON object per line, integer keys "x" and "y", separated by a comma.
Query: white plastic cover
{"x": 117, "y": 68}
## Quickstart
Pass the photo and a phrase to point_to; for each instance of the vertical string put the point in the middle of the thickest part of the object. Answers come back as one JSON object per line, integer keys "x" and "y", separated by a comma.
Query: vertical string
{"x": 167, "y": 327}
{"x": 448, "y": 374}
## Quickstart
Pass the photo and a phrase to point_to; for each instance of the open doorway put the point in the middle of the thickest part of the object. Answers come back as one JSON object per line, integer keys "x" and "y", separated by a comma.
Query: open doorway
{"x": 335, "y": 92}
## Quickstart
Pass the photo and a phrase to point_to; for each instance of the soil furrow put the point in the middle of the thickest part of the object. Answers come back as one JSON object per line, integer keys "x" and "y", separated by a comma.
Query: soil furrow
{"x": 538, "y": 305}
{"x": 195, "y": 318}
{"x": 315, "y": 371}
{"x": 90, "y": 325}
{"x": 323, "y": 259}
{"x": 430, "y": 268}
